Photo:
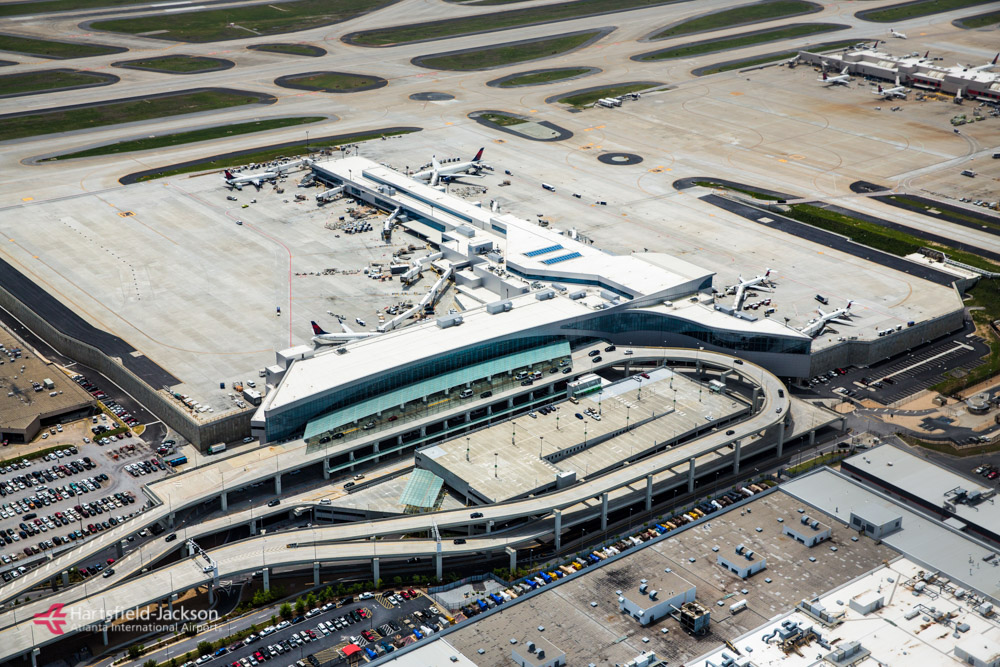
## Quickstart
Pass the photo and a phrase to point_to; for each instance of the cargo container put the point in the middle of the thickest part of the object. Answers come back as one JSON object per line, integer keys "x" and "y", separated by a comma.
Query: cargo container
{"x": 217, "y": 448}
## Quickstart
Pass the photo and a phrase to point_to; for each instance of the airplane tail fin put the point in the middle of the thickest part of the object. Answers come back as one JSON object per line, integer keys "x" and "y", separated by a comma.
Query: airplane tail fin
{"x": 926, "y": 55}
{"x": 849, "y": 303}
{"x": 995, "y": 58}
{"x": 317, "y": 330}
{"x": 479, "y": 155}
{"x": 824, "y": 76}
{"x": 880, "y": 89}
{"x": 228, "y": 174}
{"x": 435, "y": 163}
{"x": 767, "y": 273}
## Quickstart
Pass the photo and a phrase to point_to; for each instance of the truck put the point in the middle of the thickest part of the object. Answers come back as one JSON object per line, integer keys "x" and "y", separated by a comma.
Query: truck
{"x": 217, "y": 448}
{"x": 180, "y": 460}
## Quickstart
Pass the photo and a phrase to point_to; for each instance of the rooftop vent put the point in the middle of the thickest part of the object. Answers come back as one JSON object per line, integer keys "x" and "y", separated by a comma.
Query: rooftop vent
{"x": 642, "y": 588}
{"x": 652, "y": 595}
{"x": 531, "y": 647}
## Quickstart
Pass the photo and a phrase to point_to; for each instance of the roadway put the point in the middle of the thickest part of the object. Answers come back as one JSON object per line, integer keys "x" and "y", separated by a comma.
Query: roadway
{"x": 340, "y": 543}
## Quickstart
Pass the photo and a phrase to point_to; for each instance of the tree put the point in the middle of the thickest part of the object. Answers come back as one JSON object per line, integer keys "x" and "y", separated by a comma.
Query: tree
{"x": 397, "y": 581}
{"x": 286, "y": 611}
{"x": 134, "y": 651}
{"x": 300, "y": 606}
{"x": 205, "y": 647}
{"x": 190, "y": 630}
{"x": 311, "y": 600}
{"x": 150, "y": 663}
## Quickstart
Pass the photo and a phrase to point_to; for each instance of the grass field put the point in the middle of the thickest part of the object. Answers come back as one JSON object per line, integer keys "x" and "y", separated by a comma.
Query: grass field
{"x": 24, "y": 8}
{"x": 763, "y": 60}
{"x": 265, "y": 154}
{"x": 544, "y": 77}
{"x": 46, "y": 48}
{"x": 945, "y": 214}
{"x": 588, "y": 98}
{"x": 764, "y": 11}
{"x": 291, "y": 49}
{"x": 176, "y": 64}
{"x": 905, "y": 11}
{"x": 332, "y": 81}
{"x": 981, "y": 21}
{"x": 949, "y": 448}
{"x": 985, "y": 295}
{"x": 746, "y": 191}
{"x": 112, "y": 113}
{"x": 45, "y": 80}
{"x": 242, "y": 21}
{"x": 740, "y": 41}
{"x": 507, "y": 54}
{"x": 502, "y": 119}
{"x": 176, "y": 139}
{"x": 513, "y": 18}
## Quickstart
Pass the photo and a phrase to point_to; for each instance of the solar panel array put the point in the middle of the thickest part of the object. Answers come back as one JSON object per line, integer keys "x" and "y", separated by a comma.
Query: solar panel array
{"x": 561, "y": 258}
{"x": 542, "y": 251}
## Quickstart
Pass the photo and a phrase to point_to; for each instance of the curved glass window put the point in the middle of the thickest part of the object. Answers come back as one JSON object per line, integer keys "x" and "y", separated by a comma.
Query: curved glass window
{"x": 635, "y": 322}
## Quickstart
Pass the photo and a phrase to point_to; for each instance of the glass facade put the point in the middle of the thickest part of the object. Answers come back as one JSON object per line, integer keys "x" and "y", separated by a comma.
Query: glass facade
{"x": 642, "y": 322}
{"x": 292, "y": 421}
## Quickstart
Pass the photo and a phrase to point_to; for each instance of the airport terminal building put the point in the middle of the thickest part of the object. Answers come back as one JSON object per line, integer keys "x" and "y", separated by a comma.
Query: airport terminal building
{"x": 533, "y": 294}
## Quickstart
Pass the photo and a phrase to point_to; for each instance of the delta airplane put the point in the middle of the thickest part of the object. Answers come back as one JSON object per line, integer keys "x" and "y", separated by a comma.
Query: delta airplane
{"x": 843, "y": 78}
{"x": 897, "y": 35}
{"x": 889, "y": 93}
{"x": 755, "y": 282}
{"x": 438, "y": 173}
{"x": 257, "y": 180}
{"x": 840, "y": 316}
{"x": 980, "y": 68}
{"x": 326, "y": 338}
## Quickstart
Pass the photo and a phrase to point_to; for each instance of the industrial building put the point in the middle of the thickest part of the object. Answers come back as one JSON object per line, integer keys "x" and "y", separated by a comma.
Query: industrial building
{"x": 35, "y": 394}
{"x": 955, "y": 499}
{"x": 914, "y": 70}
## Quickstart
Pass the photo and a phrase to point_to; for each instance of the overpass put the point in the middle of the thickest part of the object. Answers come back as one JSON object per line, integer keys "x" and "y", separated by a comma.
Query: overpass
{"x": 343, "y": 543}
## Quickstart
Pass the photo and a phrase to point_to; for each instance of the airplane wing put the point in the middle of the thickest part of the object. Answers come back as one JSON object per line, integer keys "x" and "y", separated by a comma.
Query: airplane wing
{"x": 346, "y": 328}
{"x": 837, "y": 320}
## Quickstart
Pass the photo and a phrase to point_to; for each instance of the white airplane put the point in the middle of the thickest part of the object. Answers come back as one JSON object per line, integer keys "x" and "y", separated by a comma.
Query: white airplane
{"x": 840, "y": 316}
{"x": 326, "y": 338}
{"x": 257, "y": 180}
{"x": 889, "y": 93}
{"x": 843, "y": 78}
{"x": 754, "y": 282}
{"x": 897, "y": 35}
{"x": 980, "y": 68}
{"x": 438, "y": 173}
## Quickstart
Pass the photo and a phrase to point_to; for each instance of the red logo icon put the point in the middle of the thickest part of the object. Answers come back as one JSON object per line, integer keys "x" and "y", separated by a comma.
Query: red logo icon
{"x": 54, "y": 618}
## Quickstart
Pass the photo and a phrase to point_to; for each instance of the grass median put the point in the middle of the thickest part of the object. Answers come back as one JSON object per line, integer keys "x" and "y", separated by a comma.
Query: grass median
{"x": 179, "y": 138}
{"x": 502, "y": 119}
{"x": 175, "y": 64}
{"x": 47, "y": 81}
{"x": 330, "y": 81}
{"x": 506, "y": 54}
{"x": 980, "y": 20}
{"x": 46, "y": 6}
{"x": 242, "y": 21}
{"x": 45, "y": 48}
{"x": 741, "y": 41}
{"x": 266, "y": 153}
{"x": 290, "y": 49}
{"x": 514, "y": 18}
{"x": 123, "y": 111}
{"x": 547, "y": 76}
{"x": 761, "y": 11}
{"x": 768, "y": 58}
{"x": 911, "y": 10}
{"x": 591, "y": 96}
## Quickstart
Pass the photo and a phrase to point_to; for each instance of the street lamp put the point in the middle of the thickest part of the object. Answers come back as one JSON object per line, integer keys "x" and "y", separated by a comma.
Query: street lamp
{"x": 496, "y": 464}
{"x": 467, "y": 445}
{"x": 541, "y": 441}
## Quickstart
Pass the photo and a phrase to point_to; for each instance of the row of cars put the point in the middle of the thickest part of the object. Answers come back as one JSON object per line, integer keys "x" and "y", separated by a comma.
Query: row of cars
{"x": 100, "y": 395}
{"x": 141, "y": 468}
{"x": 43, "y": 476}
{"x": 988, "y": 471}
{"x": 823, "y": 378}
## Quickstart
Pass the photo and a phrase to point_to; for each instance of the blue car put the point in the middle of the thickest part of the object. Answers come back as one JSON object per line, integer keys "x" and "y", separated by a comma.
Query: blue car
{"x": 416, "y": 633}
{"x": 371, "y": 654}
{"x": 221, "y": 651}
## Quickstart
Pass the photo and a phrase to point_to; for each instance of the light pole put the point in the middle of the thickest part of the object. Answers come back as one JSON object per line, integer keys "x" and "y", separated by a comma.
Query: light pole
{"x": 541, "y": 441}
{"x": 496, "y": 464}
{"x": 467, "y": 445}
{"x": 626, "y": 417}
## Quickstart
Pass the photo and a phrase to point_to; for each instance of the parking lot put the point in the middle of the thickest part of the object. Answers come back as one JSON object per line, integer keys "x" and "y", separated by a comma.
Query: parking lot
{"x": 50, "y": 503}
{"x": 905, "y": 375}
{"x": 378, "y": 625}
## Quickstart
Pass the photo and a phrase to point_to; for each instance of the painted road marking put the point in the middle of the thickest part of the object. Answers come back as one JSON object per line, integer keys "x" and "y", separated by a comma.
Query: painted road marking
{"x": 958, "y": 346}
